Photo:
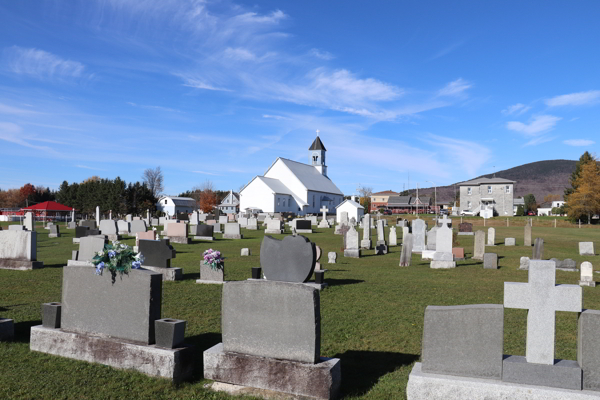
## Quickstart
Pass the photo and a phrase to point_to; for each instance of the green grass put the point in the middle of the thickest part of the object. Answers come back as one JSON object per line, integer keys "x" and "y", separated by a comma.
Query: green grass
{"x": 372, "y": 313}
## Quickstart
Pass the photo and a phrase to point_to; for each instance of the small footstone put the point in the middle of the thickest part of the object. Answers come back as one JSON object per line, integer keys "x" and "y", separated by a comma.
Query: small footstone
{"x": 509, "y": 241}
{"x": 490, "y": 261}
{"x": 245, "y": 252}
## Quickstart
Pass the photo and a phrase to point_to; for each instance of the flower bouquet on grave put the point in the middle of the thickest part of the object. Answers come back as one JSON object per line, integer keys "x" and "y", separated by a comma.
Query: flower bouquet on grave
{"x": 213, "y": 258}
{"x": 117, "y": 258}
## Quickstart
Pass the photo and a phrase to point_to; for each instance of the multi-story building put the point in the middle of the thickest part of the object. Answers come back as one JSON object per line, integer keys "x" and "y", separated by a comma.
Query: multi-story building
{"x": 380, "y": 199}
{"x": 487, "y": 197}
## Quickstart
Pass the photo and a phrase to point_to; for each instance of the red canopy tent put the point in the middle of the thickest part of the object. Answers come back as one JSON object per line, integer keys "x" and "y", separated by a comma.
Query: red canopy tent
{"x": 42, "y": 209}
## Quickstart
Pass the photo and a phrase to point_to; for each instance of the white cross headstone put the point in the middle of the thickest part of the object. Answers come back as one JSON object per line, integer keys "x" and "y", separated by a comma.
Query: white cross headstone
{"x": 542, "y": 298}
{"x": 97, "y": 215}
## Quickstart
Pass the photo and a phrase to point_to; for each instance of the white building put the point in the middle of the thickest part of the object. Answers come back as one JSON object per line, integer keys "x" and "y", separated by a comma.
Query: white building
{"x": 173, "y": 205}
{"x": 487, "y": 197}
{"x": 230, "y": 204}
{"x": 291, "y": 186}
{"x": 352, "y": 208}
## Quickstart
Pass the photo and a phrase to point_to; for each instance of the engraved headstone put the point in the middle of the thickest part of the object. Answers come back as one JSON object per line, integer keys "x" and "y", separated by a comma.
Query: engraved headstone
{"x": 419, "y": 227}
{"x": 587, "y": 274}
{"x": 479, "y": 245}
{"x": 290, "y": 260}
{"x": 527, "y": 235}
{"x": 491, "y": 237}
{"x": 393, "y": 238}
{"x": 352, "y": 243}
{"x": 406, "y": 255}
{"x": 538, "y": 249}
{"x": 366, "y": 241}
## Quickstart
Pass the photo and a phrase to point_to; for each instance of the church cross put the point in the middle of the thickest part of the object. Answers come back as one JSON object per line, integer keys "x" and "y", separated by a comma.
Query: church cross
{"x": 542, "y": 298}
{"x": 445, "y": 221}
{"x": 324, "y": 209}
{"x": 318, "y": 132}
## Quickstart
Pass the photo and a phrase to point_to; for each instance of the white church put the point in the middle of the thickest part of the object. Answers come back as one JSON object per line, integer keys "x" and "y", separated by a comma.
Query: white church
{"x": 291, "y": 186}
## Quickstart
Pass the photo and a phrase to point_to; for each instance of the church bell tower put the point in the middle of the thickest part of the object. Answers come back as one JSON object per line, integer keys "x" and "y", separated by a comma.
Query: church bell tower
{"x": 316, "y": 154}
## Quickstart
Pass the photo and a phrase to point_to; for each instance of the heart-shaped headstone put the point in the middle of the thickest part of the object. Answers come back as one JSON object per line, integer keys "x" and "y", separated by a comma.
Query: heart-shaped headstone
{"x": 292, "y": 259}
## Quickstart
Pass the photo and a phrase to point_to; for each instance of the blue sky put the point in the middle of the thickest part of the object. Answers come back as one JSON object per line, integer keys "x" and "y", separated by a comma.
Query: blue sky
{"x": 217, "y": 90}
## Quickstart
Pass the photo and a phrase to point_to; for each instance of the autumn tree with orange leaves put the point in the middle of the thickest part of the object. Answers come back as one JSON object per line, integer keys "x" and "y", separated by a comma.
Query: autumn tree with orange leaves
{"x": 585, "y": 200}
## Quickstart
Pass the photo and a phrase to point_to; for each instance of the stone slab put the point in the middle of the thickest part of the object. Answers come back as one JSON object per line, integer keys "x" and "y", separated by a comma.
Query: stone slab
{"x": 586, "y": 249}
{"x": 175, "y": 364}
{"x": 137, "y": 226}
{"x": 352, "y": 253}
{"x": 464, "y": 340}
{"x": 137, "y": 296}
{"x": 406, "y": 253}
{"x": 272, "y": 319}
{"x": 20, "y": 265}
{"x": 564, "y": 374}
{"x": 7, "y": 329}
{"x": 440, "y": 264}
{"x": 168, "y": 274}
{"x": 109, "y": 227}
{"x": 490, "y": 261}
{"x": 426, "y": 386}
{"x": 509, "y": 241}
{"x": 178, "y": 239}
{"x": 292, "y": 259}
{"x": 588, "y": 348}
{"x": 88, "y": 246}
{"x": 209, "y": 274}
{"x": 479, "y": 245}
{"x": 208, "y": 238}
{"x": 18, "y": 245}
{"x": 316, "y": 381}
{"x": 157, "y": 253}
{"x": 427, "y": 254}
{"x": 466, "y": 233}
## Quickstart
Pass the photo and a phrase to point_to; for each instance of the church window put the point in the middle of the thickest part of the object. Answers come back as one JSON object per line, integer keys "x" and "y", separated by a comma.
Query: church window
{"x": 165, "y": 201}
{"x": 278, "y": 202}
{"x": 313, "y": 201}
{"x": 284, "y": 202}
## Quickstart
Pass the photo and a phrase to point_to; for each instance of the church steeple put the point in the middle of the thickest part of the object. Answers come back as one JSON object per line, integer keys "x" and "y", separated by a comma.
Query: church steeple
{"x": 316, "y": 154}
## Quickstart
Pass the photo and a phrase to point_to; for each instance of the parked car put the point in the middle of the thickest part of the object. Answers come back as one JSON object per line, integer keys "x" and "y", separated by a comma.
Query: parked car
{"x": 531, "y": 213}
{"x": 444, "y": 212}
{"x": 387, "y": 212}
{"x": 467, "y": 213}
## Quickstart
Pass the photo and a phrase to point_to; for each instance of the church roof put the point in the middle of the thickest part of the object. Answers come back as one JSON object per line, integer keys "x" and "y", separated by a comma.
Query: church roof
{"x": 317, "y": 145}
{"x": 278, "y": 187}
{"x": 351, "y": 202}
{"x": 310, "y": 177}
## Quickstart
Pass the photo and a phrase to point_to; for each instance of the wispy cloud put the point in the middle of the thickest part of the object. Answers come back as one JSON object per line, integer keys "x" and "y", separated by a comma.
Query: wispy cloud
{"x": 13, "y": 133}
{"x": 455, "y": 88}
{"x": 472, "y": 155}
{"x": 279, "y": 117}
{"x": 199, "y": 84}
{"x": 447, "y": 50}
{"x": 578, "y": 142}
{"x": 323, "y": 55}
{"x": 539, "y": 140}
{"x": 92, "y": 168}
{"x": 574, "y": 99}
{"x": 40, "y": 64}
{"x": 4, "y": 109}
{"x": 537, "y": 125}
{"x": 149, "y": 107}
{"x": 516, "y": 109}
{"x": 205, "y": 173}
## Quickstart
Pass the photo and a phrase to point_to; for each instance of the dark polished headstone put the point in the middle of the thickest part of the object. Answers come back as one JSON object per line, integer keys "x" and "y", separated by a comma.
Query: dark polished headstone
{"x": 465, "y": 227}
{"x": 303, "y": 224}
{"x": 183, "y": 216}
{"x": 81, "y": 231}
{"x": 205, "y": 230}
{"x": 292, "y": 259}
{"x": 157, "y": 253}
{"x": 89, "y": 223}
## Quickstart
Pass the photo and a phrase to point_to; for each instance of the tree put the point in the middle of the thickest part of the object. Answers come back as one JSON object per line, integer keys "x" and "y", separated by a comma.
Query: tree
{"x": 530, "y": 203}
{"x": 205, "y": 196}
{"x": 365, "y": 193}
{"x": 585, "y": 200}
{"x": 153, "y": 178}
{"x": 27, "y": 193}
{"x": 584, "y": 159}
{"x": 549, "y": 198}
{"x": 520, "y": 211}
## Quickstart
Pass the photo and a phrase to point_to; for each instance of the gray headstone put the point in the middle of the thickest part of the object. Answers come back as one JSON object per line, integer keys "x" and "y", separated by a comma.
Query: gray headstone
{"x": 207, "y": 273}
{"x": 18, "y": 227}
{"x": 97, "y": 216}
{"x": 524, "y": 263}
{"x": 407, "y": 247}
{"x": 586, "y": 249}
{"x": 128, "y": 218}
{"x": 18, "y": 245}
{"x": 274, "y": 227}
{"x": 137, "y": 226}
{"x": 223, "y": 219}
{"x": 479, "y": 245}
{"x": 542, "y": 297}
{"x": 89, "y": 223}
{"x": 464, "y": 340}
{"x": 272, "y": 319}
{"x": 252, "y": 224}
{"x": 232, "y": 231}
{"x": 245, "y": 252}
{"x": 367, "y": 227}
{"x": 527, "y": 234}
{"x": 490, "y": 261}
{"x": 108, "y": 227}
{"x": 157, "y": 253}
{"x": 202, "y": 230}
{"x": 432, "y": 238}
{"x": 155, "y": 222}
{"x": 352, "y": 243}
{"x": 509, "y": 241}
{"x": 54, "y": 231}
{"x": 72, "y": 225}
{"x": 28, "y": 221}
{"x": 443, "y": 239}
{"x": 380, "y": 231}
{"x": 122, "y": 226}
{"x": 491, "y": 237}
{"x": 538, "y": 249}
{"x": 393, "y": 238}
{"x": 127, "y": 309}
{"x": 419, "y": 228}
{"x": 587, "y": 274}
{"x": 332, "y": 257}
{"x": 290, "y": 260}
{"x": 588, "y": 348}
{"x": 88, "y": 246}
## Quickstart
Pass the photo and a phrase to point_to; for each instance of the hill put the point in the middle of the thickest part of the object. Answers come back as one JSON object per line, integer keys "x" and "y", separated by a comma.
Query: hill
{"x": 540, "y": 178}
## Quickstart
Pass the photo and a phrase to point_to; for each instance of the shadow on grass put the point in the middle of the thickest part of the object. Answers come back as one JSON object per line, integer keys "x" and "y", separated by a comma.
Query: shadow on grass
{"x": 201, "y": 342}
{"x": 362, "y": 369}
{"x": 192, "y": 275}
{"x": 55, "y": 265}
{"x": 339, "y": 282}
{"x": 23, "y": 330}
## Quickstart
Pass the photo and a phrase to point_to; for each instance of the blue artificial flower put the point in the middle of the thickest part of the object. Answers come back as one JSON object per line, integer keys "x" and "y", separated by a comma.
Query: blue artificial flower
{"x": 111, "y": 254}
{"x": 136, "y": 264}
{"x": 99, "y": 268}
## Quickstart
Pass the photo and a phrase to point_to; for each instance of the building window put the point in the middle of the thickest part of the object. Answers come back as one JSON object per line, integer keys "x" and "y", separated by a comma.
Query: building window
{"x": 489, "y": 190}
{"x": 278, "y": 202}
{"x": 165, "y": 201}
{"x": 284, "y": 202}
{"x": 469, "y": 191}
{"x": 507, "y": 189}
{"x": 313, "y": 201}
{"x": 468, "y": 205}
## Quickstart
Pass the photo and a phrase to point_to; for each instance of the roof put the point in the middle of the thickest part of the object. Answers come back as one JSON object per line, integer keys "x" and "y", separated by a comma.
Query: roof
{"x": 310, "y": 177}
{"x": 278, "y": 187}
{"x": 48, "y": 206}
{"x": 180, "y": 201}
{"x": 235, "y": 195}
{"x": 422, "y": 200}
{"x": 353, "y": 203}
{"x": 317, "y": 145}
{"x": 484, "y": 181}
{"x": 400, "y": 200}
{"x": 519, "y": 201}
{"x": 385, "y": 193}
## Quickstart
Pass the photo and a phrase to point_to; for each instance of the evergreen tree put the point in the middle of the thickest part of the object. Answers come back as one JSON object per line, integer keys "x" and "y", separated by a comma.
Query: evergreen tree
{"x": 584, "y": 159}
{"x": 585, "y": 200}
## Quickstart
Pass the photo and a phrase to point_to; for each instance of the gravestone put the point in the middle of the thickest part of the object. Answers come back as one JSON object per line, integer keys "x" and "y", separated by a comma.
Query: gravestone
{"x": 366, "y": 241}
{"x": 352, "y": 243}
{"x": 538, "y": 249}
{"x": 465, "y": 228}
{"x": 458, "y": 253}
{"x": 183, "y": 216}
{"x": 274, "y": 227}
{"x": 88, "y": 247}
{"x": 203, "y": 232}
{"x": 491, "y": 237}
{"x": 71, "y": 225}
{"x": 431, "y": 238}
{"x": 20, "y": 227}
{"x": 252, "y": 224}
{"x": 303, "y": 226}
{"x": 419, "y": 227}
{"x": 89, "y": 223}
{"x": 289, "y": 260}
{"x": 112, "y": 324}
{"x": 527, "y": 235}
{"x": 405, "y": 231}
{"x": 509, "y": 241}
{"x": 332, "y": 257}
{"x": 567, "y": 264}
{"x": 137, "y": 226}
{"x": 323, "y": 223}
{"x": 479, "y": 245}
{"x": 352, "y": 221}
{"x": 542, "y": 298}
{"x": 272, "y": 326}
{"x": 232, "y": 231}
{"x": 109, "y": 228}
{"x": 54, "y": 231}
{"x": 157, "y": 257}
{"x": 129, "y": 218}
{"x": 586, "y": 249}
{"x": 393, "y": 238}
{"x": 587, "y": 274}
{"x": 490, "y": 261}
{"x": 123, "y": 227}
{"x": 313, "y": 220}
{"x": 155, "y": 222}
{"x": 194, "y": 219}
{"x": 443, "y": 256}
{"x": 18, "y": 250}
{"x": 343, "y": 221}
{"x": 148, "y": 235}
{"x": 406, "y": 254}
{"x": 524, "y": 263}
{"x": 245, "y": 252}
{"x": 177, "y": 232}
{"x": 83, "y": 231}
{"x": 97, "y": 215}
{"x": 28, "y": 221}
{"x": 243, "y": 221}
{"x": 202, "y": 217}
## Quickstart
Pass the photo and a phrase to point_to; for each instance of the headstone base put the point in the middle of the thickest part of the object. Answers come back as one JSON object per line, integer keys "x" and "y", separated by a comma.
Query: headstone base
{"x": 75, "y": 263}
{"x": 209, "y": 238}
{"x": 323, "y": 224}
{"x": 7, "y": 329}
{"x": 564, "y": 374}
{"x": 315, "y": 381}
{"x": 20, "y": 265}
{"x": 178, "y": 239}
{"x": 76, "y": 240}
{"x": 273, "y": 231}
{"x": 318, "y": 286}
{"x": 53, "y": 235}
{"x": 233, "y": 236}
{"x": 169, "y": 274}
{"x": 426, "y": 386}
{"x": 251, "y": 227}
{"x": 466, "y": 233}
{"x": 175, "y": 364}
{"x": 427, "y": 254}
{"x": 304, "y": 231}
{"x": 442, "y": 264}
{"x": 112, "y": 238}
{"x": 206, "y": 281}
{"x": 352, "y": 253}
{"x": 587, "y": 283}
{"x": 568, "y": 269}
{"x": 365, "y": 244}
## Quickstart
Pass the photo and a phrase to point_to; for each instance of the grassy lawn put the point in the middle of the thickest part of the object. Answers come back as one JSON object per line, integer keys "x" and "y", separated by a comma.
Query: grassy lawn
{"x": 372, "y": 312}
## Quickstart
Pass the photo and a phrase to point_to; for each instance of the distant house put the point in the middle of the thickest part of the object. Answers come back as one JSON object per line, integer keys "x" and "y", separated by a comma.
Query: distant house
{"x": 352, "y": 208}
{"x": 380, "y": 199}
{"x": 172, "y": 205}
{"x": 546, "y": 207}
{"x": 230, "y": 204}
{"x": 518, "y": 202}
{"x": 487, "y": 196}
{"x": 409, "y": 204}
